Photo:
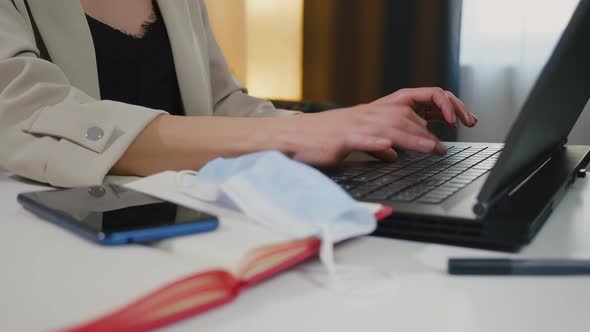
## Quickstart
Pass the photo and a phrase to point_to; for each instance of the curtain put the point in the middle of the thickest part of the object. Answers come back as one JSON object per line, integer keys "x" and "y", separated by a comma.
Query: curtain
{"x": 421, "y": 48}
{"x": 342, "y": 51}
{"x": 504, "y": 46}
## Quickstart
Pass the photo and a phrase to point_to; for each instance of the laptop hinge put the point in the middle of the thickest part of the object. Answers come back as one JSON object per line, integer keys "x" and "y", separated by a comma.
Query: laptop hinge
{"x": 481, "y": 208}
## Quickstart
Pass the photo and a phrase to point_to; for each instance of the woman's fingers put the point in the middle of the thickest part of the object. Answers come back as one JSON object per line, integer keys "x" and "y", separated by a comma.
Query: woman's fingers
{"x": 418, "y": 97}
{"x": 418, "y": 143}
{"x": 474, "y": 117}
{"x": 441, "y": 100}
{"x": 415, "y": 129}
{"x": 433, "y": 115}
{"x": 412, "y": 115}
{"x": 393, "y": 116}
{"x": 426, "y": 143}
{"x": 467, "y": 118}
{"x": 421, "y": 142}
{"x": 377, "y": 129}
{"x": 369, "y": 143}
{"x": 446, "y": 103}
{"x": 403, "y": 128}
{"x": 388, "y": 154}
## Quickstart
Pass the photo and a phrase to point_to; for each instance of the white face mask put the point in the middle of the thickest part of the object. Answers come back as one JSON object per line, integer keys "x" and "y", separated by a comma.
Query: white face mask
{"x": 287, "y": 196}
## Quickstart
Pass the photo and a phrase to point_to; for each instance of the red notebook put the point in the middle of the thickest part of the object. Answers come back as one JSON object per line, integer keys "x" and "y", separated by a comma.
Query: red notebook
{"x": 227, "y": 261}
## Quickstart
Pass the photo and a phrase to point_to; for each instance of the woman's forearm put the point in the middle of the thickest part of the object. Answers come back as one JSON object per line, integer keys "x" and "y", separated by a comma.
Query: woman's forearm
{"x": 320, "y": 139}
{"x": 176, "y": 143}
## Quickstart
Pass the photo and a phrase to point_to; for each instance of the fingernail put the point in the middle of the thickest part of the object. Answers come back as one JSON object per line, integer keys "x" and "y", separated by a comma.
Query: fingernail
{"x": 440, "y": 148}
{"x": 427, "y": 144}
{"x": 383, "y": 142}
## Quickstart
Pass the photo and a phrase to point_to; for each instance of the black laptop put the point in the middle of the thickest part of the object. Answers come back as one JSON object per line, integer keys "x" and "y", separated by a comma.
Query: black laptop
{"x": 490, "y": 195}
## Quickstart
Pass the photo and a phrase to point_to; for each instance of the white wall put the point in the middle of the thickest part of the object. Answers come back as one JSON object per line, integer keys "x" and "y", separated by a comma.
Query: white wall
{"x": 498, "y": 107}
{"x": 502, "y": 53}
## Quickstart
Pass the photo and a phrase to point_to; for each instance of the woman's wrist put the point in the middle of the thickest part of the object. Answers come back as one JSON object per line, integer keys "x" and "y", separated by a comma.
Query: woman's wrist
{"x": 210, "y": 137}
{"x": 284, "y": 134}
{"x": 175, "y": 142}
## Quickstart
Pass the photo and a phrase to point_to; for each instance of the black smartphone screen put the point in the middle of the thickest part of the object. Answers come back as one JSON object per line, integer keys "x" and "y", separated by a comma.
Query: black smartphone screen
{"x": 110, "y": 208}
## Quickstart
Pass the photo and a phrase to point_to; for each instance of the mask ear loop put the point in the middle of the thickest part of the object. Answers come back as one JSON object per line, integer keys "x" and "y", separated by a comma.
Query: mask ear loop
{"x": 358, "y": 272}
{"x": 327, "y": 255}
{"x": 186, "y": 180}
{"x": 180, "y": 178}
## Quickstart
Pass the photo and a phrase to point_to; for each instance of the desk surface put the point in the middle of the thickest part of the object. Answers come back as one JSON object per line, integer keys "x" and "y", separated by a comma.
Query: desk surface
{"x": 389, "y": 285}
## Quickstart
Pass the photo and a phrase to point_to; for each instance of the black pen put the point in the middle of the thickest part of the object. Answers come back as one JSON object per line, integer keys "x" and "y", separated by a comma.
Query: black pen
{"x": 504, "y": 266}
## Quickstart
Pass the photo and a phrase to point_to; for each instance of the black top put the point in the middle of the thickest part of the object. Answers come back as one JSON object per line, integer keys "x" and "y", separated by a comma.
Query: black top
{"x": 137, "y": 70}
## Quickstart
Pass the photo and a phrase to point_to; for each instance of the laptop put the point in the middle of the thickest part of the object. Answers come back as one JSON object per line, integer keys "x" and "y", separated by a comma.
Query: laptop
{"x": 492, "y": 195}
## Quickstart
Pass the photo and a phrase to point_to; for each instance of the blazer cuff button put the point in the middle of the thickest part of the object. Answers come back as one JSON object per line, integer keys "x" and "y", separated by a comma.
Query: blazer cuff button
{"x": 94, "y": 133}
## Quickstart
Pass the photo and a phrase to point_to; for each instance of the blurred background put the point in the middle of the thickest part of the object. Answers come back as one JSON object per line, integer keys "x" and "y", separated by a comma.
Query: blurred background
{"x": 314, "y": 55}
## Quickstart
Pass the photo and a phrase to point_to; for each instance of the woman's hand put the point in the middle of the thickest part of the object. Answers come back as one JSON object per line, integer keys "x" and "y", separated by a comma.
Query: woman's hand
{"x": 325, "y": 138}
{"x": 433, "y": 104}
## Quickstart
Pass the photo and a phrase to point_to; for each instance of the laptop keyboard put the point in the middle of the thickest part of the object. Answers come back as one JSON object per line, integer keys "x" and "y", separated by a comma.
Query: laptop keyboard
{"x": 418, "y": 177}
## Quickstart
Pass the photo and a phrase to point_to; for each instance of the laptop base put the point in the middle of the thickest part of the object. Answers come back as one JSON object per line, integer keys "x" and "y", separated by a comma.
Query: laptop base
{"x": 512, "y": 223}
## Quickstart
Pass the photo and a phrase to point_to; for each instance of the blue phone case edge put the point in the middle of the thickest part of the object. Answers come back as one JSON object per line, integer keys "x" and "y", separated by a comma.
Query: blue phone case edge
{"x": 119, "y": 238}
{"x": 160, "y": 233}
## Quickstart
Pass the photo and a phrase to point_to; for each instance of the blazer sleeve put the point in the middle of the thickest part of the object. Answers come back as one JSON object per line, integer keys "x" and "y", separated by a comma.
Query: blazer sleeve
{"x": 230, "y": 97}
{"x": 50, "y": 131}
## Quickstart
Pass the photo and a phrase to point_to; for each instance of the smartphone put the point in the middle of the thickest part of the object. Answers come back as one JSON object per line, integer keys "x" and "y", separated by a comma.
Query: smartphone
{"x": 115, "y": 215}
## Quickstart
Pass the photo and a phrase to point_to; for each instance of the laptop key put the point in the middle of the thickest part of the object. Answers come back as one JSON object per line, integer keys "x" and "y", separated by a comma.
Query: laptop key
{"x": 433, "y": 182}
{"x": 465, "y": 177}
{"x": 405, "y": 171}
{"x": 433, "y": 198}
{"x": 385, "y": 180}
{"x": 387, "y": 191}
{"x": 348, "y": 186}
{"x": 363, "y": 190}
{"x": 460, "y": 181}
{"x": 443, "y": 191}
{"x": 474, "y": 171}
{"x": 404, "y": 197}
{"x": 391, "y": 167}
{"x": 398, "y": 186}
{"x": 380, "y": 195}
{"x": 438, "y": 194}
{"x": 369, "y": 176}
{"x": 482, "y": 167}
{"x": 454, "y": 186}
{"x": 350, "y": 183}
{"x": 430, "y": 200}
{"x": 443, "y": 177}
{"x": 360, "y": 191}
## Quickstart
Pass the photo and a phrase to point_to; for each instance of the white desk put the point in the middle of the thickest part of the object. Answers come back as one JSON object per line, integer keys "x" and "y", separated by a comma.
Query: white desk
{"x": 420, "y": 296}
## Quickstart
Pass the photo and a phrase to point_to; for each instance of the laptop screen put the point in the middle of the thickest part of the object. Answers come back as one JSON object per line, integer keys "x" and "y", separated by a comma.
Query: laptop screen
{"x": 550, "y": 111}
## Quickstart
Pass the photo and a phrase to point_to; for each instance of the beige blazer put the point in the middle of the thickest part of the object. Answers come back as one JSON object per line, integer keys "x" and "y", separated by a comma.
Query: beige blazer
{"x": 55, "y": 128}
